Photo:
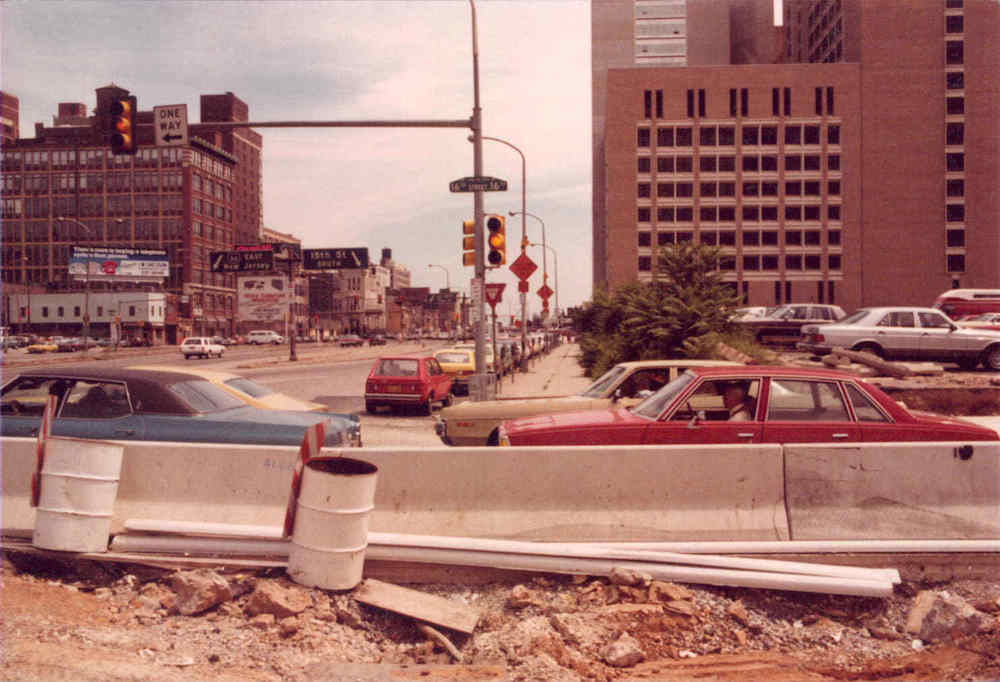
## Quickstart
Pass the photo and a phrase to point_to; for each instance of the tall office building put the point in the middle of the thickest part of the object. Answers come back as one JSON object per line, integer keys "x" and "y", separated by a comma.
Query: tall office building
{"x": 849, "y": 155}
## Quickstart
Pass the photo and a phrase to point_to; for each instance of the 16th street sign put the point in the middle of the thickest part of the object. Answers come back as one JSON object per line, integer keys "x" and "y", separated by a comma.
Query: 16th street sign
{"x": 335, "y": 259}
{"x": 478, "y": 184}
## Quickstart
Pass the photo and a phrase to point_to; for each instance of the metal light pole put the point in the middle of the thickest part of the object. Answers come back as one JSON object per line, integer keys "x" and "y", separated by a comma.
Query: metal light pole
{"x": 86, "y": 282}
{"x": 447, "y": 275}
{"x": 524, "y": 239}
{"x": 545, "y": 271}
{"x": 24, "y": 261}
{"x": 555, "y": 259}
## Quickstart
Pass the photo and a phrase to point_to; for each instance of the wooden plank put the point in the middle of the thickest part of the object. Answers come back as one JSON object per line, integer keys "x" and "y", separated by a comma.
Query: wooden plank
{"x": 419, "y": 605}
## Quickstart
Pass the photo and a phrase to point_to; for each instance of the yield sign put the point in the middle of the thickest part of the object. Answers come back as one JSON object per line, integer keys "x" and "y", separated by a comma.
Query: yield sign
{"x": 494, "y": 292}
{"x": 545, "y": 292}
{"x": 523, "y": 266}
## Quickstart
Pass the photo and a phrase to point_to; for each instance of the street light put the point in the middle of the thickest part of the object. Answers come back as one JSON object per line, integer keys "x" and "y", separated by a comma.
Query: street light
{"x": 447, "y": 275}
{"x": 524, "y": 236}
{"x": 86, "y": 278}
{"x": 545, "y": 269}
{"x": 555, "y": 260}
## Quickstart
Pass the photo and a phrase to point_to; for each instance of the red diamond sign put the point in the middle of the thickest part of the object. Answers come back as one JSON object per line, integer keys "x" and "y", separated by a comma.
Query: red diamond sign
{"x": 523, "y": 266}
{"x": 545, "y": 292}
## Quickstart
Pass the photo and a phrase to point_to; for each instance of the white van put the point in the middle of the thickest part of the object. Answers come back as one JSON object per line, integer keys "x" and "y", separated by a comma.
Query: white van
{"x": 264, "y": 336}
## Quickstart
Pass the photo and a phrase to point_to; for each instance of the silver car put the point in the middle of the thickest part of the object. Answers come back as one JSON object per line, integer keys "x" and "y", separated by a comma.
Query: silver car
{"x": 899, "y": 333}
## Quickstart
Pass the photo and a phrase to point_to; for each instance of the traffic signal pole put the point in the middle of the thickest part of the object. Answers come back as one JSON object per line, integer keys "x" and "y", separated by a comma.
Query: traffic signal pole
{"x": 477, "y": 171}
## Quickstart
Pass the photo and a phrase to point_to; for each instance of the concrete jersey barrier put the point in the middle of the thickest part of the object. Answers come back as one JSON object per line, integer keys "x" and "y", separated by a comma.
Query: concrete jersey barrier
{"x": 650, "y": 493}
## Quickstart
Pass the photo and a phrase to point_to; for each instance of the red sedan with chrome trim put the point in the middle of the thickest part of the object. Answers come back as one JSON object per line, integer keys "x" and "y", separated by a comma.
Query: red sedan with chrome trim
{"x": 407, "y": 380}
{"x": 754, "y": 404}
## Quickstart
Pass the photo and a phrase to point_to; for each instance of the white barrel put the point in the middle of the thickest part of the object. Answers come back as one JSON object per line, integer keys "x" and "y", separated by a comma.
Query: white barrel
{"x": 79, "y": 485}
{"x": 331, "y": 523}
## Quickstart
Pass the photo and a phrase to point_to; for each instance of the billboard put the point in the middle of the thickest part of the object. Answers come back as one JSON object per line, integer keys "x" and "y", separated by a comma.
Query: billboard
{"x": 263, "y": 299}
{"x": 109, "y": 264}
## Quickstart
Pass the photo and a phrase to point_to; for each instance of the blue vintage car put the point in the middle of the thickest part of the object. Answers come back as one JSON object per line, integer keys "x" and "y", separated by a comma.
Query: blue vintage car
{"x": 133, "y": 404}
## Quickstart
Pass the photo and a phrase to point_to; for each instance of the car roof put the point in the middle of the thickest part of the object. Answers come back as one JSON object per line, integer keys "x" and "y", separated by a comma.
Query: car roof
{"x": 772, "y": 370}
{"x": 901, "y": 308}
{"x": 146, "y": 387}
{"x": 211, "y": 374}
{"x": 404, "y": 357}
{"x": 678, "y": 362}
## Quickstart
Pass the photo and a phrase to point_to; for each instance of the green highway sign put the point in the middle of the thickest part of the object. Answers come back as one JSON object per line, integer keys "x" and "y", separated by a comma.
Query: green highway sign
{"x": 478, "y": 184}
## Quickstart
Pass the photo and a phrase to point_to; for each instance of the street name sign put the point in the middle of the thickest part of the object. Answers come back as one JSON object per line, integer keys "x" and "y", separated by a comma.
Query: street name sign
{"x": 335, "y": 259}
{"x": 242, "y": 261}
{"x": 478, "y": 184}
{"x": 170, "y": 125}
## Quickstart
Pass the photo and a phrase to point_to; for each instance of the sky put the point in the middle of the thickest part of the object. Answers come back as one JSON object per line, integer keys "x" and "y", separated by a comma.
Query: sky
{"x": 328, "y": 61}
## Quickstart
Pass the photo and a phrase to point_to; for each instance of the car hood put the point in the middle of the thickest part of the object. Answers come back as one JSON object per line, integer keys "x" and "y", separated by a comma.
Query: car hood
{"x": 513, "y": 408}
{"x": 953, "y": 421}
{"x": 571, "y": 420}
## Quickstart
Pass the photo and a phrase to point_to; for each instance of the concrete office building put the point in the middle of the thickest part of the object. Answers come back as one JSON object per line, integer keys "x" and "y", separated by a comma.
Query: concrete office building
{"x": 848, "y": 156}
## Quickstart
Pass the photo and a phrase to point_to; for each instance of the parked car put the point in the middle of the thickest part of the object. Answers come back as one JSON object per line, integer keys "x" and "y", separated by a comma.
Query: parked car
{"x": 405, "y": 381}
{"x": 749, "y": 313}
{"x": 133, "y": 404}
{"x": 901, "y": 333}
{"x": 625, "y": 384}
{"x": 350, "y": 340}
{"x": 15, "y": 341}
{"x": 783, "y": 324}
{"x": 459, "y": 364}
{"x": 201, "y": 346}
{"x": 777, "y": 405}
{"x": 376, "y": 340}
{"x": 69, "y": 344}
{"x": 43, "y": 346}
{"x": 957, "y": 303}
{"x": 259, "y": 336}
{"x": 983, "y": 321}
{"x": 261, "y": 396}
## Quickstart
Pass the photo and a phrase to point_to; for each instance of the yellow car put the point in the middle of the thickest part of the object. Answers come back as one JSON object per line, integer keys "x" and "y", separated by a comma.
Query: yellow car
{"x": 247, "y": 390}
{"x": 458, "y": 363}
{"x": 43, "y": 347}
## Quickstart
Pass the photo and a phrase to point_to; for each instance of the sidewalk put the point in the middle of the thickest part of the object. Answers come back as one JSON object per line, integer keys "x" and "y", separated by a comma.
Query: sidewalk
{"x": 557, "y": 373}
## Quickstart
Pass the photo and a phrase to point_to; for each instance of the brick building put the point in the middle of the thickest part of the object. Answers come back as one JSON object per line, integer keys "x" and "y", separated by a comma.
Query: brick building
{"x": 188, "y": 200}
{"x": 849, "y": 156}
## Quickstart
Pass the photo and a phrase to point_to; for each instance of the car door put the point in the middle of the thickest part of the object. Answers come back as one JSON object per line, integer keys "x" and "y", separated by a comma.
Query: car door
{"x": 937, "y": 340}
{"x": 898, "y": 334}
{"x": 807, "y": 411}
{"x": 98, "y": 409}
{"x": 700, "y": 417}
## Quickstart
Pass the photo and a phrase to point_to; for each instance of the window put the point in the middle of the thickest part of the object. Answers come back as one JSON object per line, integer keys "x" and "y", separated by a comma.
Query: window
{"x": 768, "y": 163}
{"x": 685, "y": 189}
{"x": 793, "y": 163}
{"x": 793, "y": 213}
{"x": 665, "y": 189}
{"x": 665, "y": 164}
{"x": 683, "y": 137}
{"x": 793, "y": 135}
{"x": 665, "y": 214}
{"x": 956, "y": 188}
{"x": 811, "y": 134}
{"x": 685, "y": 214}
{"x": 727, "y": 189}
{"x": 832, "y": 135}
{"x": 664, "y": 238}
{"x": 769, "y": 262}
{"x": 955, "y": 52}
{"x": 751, "y": 262}
{"x": 665, "y": 137}
{"x": 955, "y": 133}
{"x": 751, "y": 238}
{"x": 769, "y": 189}
{"x": 706, "y": 136}
{"x": 727, "y": 164}
{"x": 769, "y": 238}
{"x": 955, "y": 105}
{"x": 642, "y": 139}
{"x": 898, "y": 318}
{"x": 800, "y": 400}
{"x": 954, "y": 24}
{"x": 833, "y": 263}
{"x": 793, "y": 188}
{"x": 956, "y": 238}
{"x": 833, "y": 162}
{"x": 750, "y": 163}
{"x": 811, "y": 213}
{"x": 769, "y": 214}
{"x": 811, "y": 162}
{"x": 642, "y": 215}
{"x": 709, "y": 238}
{"x": 727, "y": 136}
{"x": 751, "y": 189}
{"x": 644, "y": 190}
{"x": 707, "y": 164}
{"x": 769, "y": 135}
{"x": 645, "y": 239}
{"x": 750, "y": 214}
{"x": 833, "y": 237}
{"x": 793, "y": 238}
{"x": 833, "y": 188}
{"x": 644, "y": 165}
{"x": 955, "y": 162}
{"x": 684, "y": 164}
{"x": 833, "y": 212}
{"x": 864, "y": 409}
{"x": 645, "y": 263}
{"x": 955, "y": 213}
{"x": 727, "y": 214}
{"x": 955, "y": 80}
{"x": 956, "y": 262}
{"x": 708, "y": 189}
{"x": 707, "y": 214}
{"x": 750, "y": 135}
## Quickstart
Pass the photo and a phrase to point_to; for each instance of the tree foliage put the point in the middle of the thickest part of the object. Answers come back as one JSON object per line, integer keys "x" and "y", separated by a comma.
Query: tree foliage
{"x": 673, "y": 316}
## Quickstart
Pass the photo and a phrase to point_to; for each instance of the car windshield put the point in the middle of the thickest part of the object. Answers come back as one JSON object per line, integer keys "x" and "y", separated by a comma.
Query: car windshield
{"x": 204, "y": 396}
{"x": 654, "y": 405}
{"x": 600, "y": 387}
{"x": 398, "y": 368}
{"x": 453, "y": 357}
{"x": 251, "y": 388}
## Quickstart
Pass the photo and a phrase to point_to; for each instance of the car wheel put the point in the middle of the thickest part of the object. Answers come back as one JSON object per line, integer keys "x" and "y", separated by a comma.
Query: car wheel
{"x": 427, "y": 407}
{"x": 187, "y": 357}
{"x": 872, "y": 348}
{"x": 447, "y": 400}
{"x": 968, "y": 364}
{"x": 370, "y": 407}
{"x": 991, "y": 358}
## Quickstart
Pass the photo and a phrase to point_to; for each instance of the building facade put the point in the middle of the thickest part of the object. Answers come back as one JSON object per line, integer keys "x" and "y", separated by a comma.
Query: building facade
{"x": 849, "y": 156}
{"x": 64, "y": 187}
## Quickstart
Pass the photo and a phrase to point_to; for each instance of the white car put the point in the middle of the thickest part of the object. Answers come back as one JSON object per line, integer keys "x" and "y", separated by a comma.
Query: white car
{"x": 906, "y": 334}
{"x": 265, "y": 336}
{"x": 202, "y": 346}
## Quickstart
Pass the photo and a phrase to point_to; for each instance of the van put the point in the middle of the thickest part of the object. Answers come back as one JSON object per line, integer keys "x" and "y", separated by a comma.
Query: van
{"x": 959, "y": 303}
{"x": 264, "y": 336}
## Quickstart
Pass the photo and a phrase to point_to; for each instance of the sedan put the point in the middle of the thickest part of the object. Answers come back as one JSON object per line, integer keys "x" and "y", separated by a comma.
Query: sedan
{"x": 43, "y": 346}
{"x": 350, "y": 340}
{"x": 899, "y": 333}
{"x": 783, "y": 324}
{"x": 625, "y": 384}
{"x": 407, "y": 380}
{"x": 751, "y": 404}
{"x": 983, "y": 321}
{"x": 145, "y": 405}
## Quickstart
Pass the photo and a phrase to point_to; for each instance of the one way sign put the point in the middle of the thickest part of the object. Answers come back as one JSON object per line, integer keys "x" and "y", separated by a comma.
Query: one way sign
{"x": 170, "y": 124}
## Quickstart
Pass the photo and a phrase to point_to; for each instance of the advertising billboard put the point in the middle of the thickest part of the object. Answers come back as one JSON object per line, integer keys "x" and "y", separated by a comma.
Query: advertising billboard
{"x": 107, "y": 264}
{"x": 263, "y": 298}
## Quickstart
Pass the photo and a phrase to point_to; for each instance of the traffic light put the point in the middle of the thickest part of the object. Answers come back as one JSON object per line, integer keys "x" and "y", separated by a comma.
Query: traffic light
{"x": 123, "y": 112}
{"x": 496, "y": 238}
{"x": 469, "y": 242}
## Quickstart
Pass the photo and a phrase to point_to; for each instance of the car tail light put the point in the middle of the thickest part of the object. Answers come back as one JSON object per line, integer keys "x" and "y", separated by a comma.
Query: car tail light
{"x": 818, "y": 338}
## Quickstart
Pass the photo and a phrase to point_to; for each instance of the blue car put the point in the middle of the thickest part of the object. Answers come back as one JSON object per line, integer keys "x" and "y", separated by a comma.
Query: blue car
{"x": 132, "y": 404}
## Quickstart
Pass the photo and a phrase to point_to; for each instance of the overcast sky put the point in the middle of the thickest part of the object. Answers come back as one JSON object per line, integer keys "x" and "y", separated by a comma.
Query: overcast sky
{"x": 296, "y": 60}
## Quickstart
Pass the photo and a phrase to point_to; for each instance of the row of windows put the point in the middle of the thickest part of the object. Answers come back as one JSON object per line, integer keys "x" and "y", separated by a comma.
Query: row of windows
{"x": 750, "y": 163}
{"x": 728, "y": 189}
{"x": 767, "y": 263}
{"x": 725, "y": 135}
{"x": 89, "y": 158}
{"x": 750, "y": 238}
{"x": 43, "y": 183}
{"x": 739, "y": 101}
{"x": 97, "y": 230}
{"x": 727, "y": 214}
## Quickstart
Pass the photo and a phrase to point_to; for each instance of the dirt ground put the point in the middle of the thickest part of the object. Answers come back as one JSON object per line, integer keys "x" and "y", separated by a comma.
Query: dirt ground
{"x": 100, "y": 621}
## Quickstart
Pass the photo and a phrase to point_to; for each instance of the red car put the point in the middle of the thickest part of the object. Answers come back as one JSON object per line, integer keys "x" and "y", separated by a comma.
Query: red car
{"x": 748, "y": 405}
{"x": 407, "y": 380}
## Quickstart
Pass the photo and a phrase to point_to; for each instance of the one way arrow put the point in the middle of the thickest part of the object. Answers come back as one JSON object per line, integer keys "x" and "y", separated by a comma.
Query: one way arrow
{"x": 168, "y": 137}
